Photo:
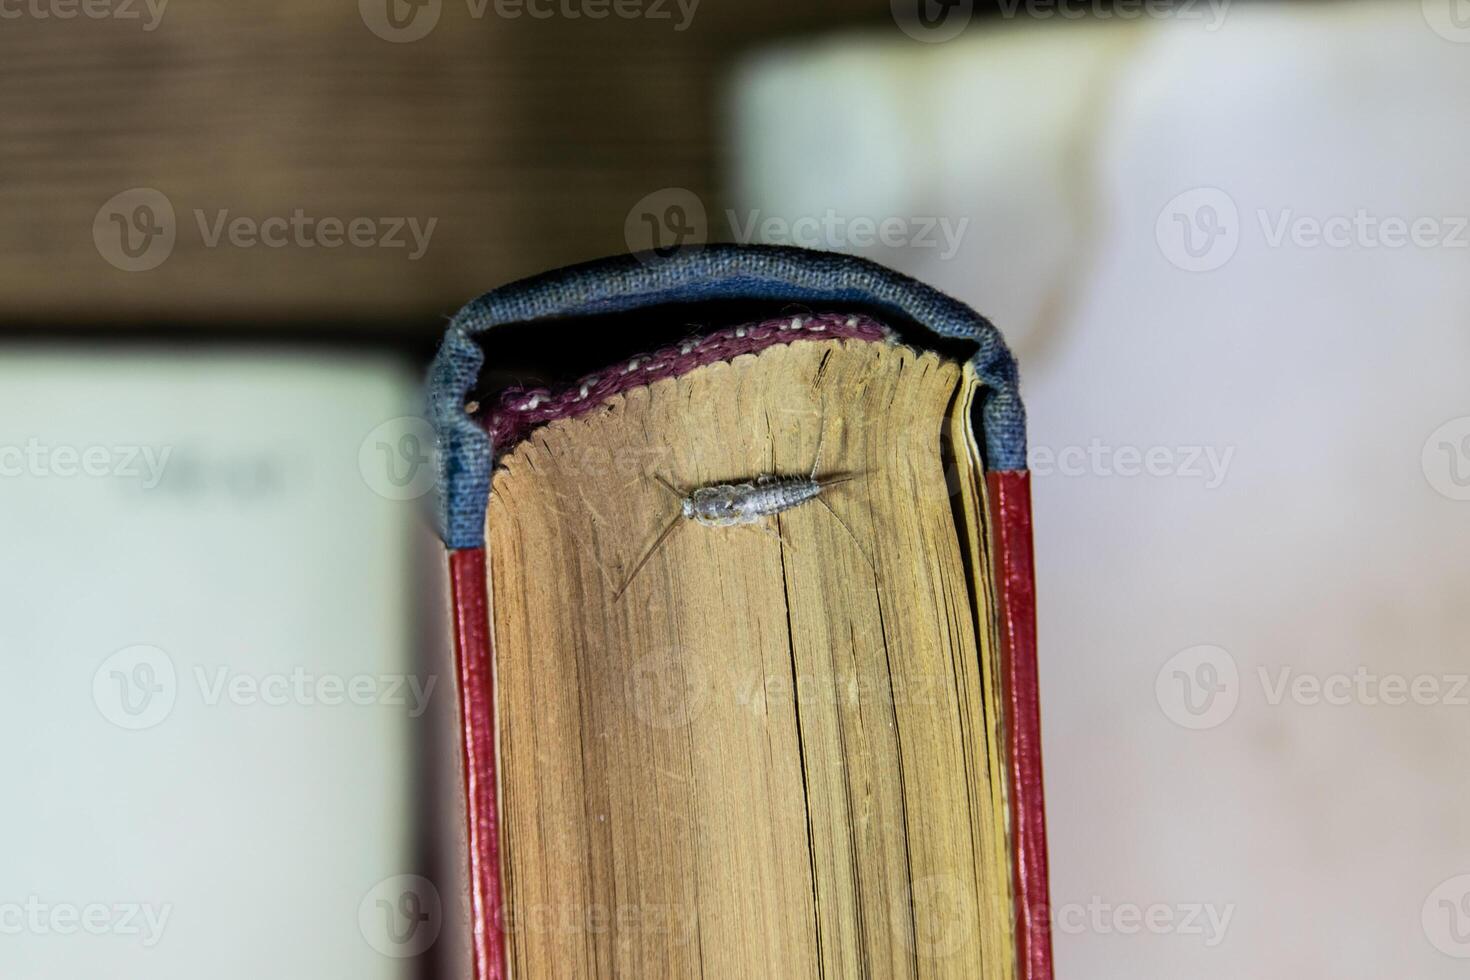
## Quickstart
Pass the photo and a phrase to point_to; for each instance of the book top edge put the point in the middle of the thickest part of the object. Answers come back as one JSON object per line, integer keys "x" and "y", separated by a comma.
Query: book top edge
{"x": 923, "y": 317}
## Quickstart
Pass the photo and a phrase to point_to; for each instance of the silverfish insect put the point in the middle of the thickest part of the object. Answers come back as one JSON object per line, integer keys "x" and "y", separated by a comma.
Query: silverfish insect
{"x": 746, "y": 503}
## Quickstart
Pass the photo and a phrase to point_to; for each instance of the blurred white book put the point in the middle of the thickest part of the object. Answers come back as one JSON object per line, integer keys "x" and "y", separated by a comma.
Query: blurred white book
{"x": 220, "y": 614}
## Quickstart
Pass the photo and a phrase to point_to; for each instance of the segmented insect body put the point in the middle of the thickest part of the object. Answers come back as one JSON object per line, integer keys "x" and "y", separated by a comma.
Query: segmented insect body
{"x": 748, "y": 503}
{"x": 727, "y": 504}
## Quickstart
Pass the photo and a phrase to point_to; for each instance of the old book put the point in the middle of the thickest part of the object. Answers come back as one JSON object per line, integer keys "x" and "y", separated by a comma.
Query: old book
{"x": 797, "y": 746}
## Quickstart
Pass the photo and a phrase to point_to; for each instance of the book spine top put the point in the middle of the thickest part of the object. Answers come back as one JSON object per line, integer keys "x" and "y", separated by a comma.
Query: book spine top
{"x": 922, "y": 315}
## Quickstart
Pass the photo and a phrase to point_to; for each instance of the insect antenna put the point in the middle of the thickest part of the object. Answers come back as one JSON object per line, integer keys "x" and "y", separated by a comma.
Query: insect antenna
{"x": 663, "y": 536}
{"x": 861, "y": 550}
{"x": 821, "y": 437}
{"x": 668, "y": 486}
{"x": 831, "y": 479}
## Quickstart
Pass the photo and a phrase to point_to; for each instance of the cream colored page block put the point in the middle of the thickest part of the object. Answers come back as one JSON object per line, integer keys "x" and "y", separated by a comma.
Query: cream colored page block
{"x": 767, "y": 758}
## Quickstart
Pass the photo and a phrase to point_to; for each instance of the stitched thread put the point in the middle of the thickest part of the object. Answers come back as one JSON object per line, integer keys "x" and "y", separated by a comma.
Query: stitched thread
{"x": 520, "y": 411}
